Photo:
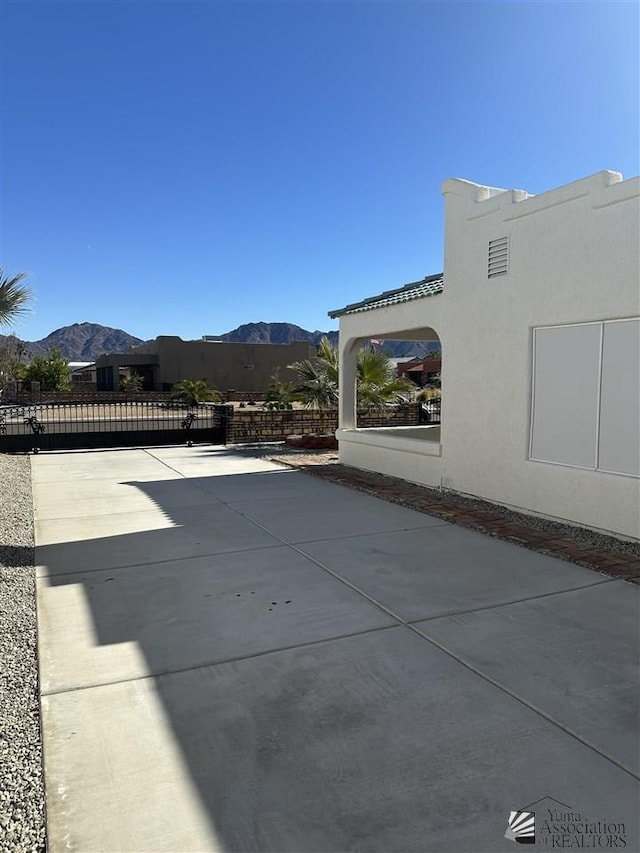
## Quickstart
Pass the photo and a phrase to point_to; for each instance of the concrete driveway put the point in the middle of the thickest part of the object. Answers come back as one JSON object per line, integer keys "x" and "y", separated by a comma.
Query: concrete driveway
{"x": 236, "y": 656}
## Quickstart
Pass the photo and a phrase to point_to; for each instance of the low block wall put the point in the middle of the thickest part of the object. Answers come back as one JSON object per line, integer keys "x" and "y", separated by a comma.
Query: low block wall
{"x": 247, "y": 427}
{"x": 405, "y": 415}
{"x": 243, "y": 396}
{"x": 81, "y": 393}
{"x": 255, "y": 426}
{"x": 82, "y": 396}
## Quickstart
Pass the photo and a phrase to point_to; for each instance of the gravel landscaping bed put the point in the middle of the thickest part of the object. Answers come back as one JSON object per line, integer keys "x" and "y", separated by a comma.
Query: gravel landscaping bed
{"x": 22, "y": 812}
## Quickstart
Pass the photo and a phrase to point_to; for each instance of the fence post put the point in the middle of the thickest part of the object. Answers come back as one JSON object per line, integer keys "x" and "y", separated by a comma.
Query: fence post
{"x": 227, "y": 421}
{"x": 10, "y": 392}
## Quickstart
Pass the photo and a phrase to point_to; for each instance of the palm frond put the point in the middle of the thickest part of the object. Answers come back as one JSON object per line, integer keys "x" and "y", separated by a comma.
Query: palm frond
{"x": 14, "y": 297}
{"x": 376, "y": 382}
{"x": 194, "y": 391}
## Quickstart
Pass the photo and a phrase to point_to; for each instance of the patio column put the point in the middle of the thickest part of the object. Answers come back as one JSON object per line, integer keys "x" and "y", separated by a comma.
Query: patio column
{"x": 347, "y": 396}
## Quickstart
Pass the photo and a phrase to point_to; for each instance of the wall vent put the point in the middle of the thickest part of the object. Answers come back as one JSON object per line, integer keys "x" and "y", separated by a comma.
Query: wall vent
{"x": 498, "y": 261}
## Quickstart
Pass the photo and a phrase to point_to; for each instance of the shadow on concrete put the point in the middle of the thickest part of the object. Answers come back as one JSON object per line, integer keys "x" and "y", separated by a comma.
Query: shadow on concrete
{"x": 330, "y": 727}
{"x": 284, "y": 755}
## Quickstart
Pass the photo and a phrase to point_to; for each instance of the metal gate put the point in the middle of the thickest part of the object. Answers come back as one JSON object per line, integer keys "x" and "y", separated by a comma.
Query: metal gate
{"x": 429, "y": 411}
{"x": 65, "y": 426}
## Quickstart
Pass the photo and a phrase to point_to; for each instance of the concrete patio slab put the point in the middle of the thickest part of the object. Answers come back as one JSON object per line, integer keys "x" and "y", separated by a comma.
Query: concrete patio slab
{"x": 444, "y": 569}
{"x": 82, "y": 498}
{"x": 214, "y": 462}
{"x": 316, "y": 723}
{"x": 345, "y": 513}
{"x": 97, "y": 465}
{"x": 128, "y": 787}
{"x": 116, "y": 625}
{"x": 204, "y": 451}
{"x": 378, "y": 742}
{"x": 198, "y": 451}
{"x": 150, "y": 463}
{"x": 576, "y": 655}
{"x": 265, "y": 486}
{"x": 128, "y": 539}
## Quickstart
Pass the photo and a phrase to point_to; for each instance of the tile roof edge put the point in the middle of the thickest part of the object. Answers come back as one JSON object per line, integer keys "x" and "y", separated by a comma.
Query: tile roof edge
{"x": 429, "y": 279}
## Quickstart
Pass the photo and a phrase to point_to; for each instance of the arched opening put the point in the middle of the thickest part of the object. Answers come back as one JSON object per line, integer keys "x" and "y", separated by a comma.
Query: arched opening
{"x": 393, "y": 381}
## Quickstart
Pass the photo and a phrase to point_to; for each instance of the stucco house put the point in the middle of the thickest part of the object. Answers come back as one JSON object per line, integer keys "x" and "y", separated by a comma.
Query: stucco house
{"x": 420, "y": 371}
{"x": 82, "y": 374}
{"x": 224, "y": 365}
{"x": 551, "y": 284}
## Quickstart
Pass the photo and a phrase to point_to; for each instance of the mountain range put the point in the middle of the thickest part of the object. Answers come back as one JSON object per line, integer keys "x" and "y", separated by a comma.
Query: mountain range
{"x": 79, "y": 342}
{"x": 87, "y": 341}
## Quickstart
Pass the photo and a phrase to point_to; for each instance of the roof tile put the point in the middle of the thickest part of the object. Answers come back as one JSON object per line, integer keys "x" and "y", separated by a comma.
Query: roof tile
{"x": 429, "y": 286}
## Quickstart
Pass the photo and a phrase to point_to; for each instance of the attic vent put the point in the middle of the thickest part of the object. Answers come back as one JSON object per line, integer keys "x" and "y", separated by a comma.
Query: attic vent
{"x": 498, "y": 263}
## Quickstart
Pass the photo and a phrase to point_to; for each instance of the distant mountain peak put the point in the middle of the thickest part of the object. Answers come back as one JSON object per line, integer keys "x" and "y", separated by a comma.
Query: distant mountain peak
{"x": 87, "y": 341}
{"x": 83, "y": 341}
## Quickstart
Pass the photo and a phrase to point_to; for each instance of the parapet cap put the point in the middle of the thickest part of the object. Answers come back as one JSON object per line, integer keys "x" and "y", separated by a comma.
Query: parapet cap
{"x": 482, "y": 200}
{"x": 468, "y": 189}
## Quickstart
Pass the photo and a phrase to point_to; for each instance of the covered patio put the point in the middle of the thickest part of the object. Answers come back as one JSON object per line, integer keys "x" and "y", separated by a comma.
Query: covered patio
{"x": 410, "y": 313}
{"x": 550, "y": 424}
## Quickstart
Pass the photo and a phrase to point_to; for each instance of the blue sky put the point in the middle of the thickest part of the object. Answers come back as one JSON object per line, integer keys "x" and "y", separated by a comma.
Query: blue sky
{"x": 182, "y": 168}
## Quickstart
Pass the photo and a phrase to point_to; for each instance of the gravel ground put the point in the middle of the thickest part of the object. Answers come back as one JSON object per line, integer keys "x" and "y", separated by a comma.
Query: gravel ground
{"x": 22, "y": 815}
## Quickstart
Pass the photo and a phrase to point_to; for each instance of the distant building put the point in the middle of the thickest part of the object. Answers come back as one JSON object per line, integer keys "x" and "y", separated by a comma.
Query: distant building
{"x": 422, "y": 371}
{"x": 226, "y": 366}
{"x": 82, "y": 373}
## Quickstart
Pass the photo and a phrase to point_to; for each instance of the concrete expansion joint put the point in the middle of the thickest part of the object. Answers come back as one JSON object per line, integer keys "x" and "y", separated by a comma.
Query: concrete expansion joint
{"x": 215, "y": 663}
{"x": 154, "y": 562}
{"x": 512, "y": 601}
{"x": 366, "y": 535}
{"x": 548, "y": 717}
{"x": 497, "y": 684}
{"x": 162, "y": 462}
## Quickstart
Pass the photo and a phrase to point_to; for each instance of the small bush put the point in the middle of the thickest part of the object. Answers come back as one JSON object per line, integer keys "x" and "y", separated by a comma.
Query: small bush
{"x": 132, "y": 383}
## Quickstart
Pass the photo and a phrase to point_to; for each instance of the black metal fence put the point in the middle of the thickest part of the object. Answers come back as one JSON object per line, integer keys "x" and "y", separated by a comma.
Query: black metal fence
{"x": 63, "y": 426}
{"x": 430, "y": 411}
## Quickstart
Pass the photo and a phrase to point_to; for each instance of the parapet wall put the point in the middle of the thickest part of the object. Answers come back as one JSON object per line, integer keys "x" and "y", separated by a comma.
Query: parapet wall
{"x": 602, "y": 189}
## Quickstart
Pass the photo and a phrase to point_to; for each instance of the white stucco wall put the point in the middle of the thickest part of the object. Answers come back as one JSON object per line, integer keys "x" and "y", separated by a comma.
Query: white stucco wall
{"x": 415, "y": 459}
{"x": 574, "y": 254}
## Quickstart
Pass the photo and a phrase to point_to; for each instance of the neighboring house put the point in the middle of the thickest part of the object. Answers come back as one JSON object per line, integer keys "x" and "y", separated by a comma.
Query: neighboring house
{"x": 169, "y": 359}
{"x": 551, "y": 284}
{"x": 422, "y": 371}
{"x": 82, "y": 374}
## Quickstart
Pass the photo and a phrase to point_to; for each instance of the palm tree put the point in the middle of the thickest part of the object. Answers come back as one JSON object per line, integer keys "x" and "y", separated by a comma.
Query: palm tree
{"x": 318, "y": 388}
{"x": 194, "y": 391}
{"x": 279, "y": 395}
{"x": 14, "y": 297}
{"x": 376, "y": 382}
{"x": 374, "y": 376}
